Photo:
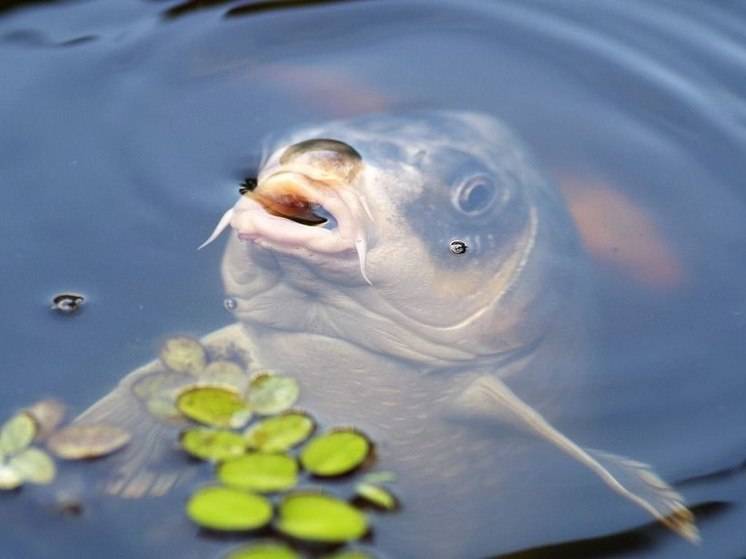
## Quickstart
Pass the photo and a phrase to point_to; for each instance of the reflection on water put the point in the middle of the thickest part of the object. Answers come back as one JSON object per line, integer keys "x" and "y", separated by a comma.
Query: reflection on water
{"x": 118, "y": 152}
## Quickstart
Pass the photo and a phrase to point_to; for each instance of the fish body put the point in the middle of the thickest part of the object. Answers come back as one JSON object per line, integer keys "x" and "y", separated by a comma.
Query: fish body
{"x": 340, "y": 272}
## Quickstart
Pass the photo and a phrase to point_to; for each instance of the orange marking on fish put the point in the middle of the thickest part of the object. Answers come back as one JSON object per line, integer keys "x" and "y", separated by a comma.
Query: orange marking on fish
{"x": 621, "y": 234}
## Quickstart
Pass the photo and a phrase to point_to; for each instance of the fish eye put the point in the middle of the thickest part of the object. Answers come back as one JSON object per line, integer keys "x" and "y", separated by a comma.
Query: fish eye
{"x": 475, "y": 195}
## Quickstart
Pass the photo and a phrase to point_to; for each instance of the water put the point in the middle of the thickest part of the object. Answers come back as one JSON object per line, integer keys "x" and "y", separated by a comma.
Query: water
{"x": 126, "y": 133}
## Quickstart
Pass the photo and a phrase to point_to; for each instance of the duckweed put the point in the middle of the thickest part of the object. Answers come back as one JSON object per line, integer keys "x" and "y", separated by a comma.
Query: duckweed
{"x": 226, "y": 509}
{"x": 184, "y": 355}
{"x": 264, "y": 473}
{"x": 33, "y": 465}
{"x": 16, "y": 434}
{"x": 83, "y": 442}
{"x": 215, "y": 406}
{"x": 271, "y": 394}
{"x": 280, "y": 433}
{"x": 318, "y": 517}
{"x": 335, "y": 453}
{"x": 377, "y": 496}
{"x": 19, "y": 462}
{"x": 212, "y": 444}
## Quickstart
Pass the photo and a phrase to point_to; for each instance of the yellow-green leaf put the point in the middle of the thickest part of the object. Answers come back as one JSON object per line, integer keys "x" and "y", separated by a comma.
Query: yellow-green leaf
{"x": 256, "y": 471}
{"x": 9, "y": 478}
{"x": 377, "y": 496}
{"x": 335, "y": 453}
{"x": 17, "y": 433}
{"x": 280, "y": 433}
{"x": 223, "y": 508}
{"x": 34, "y": 466}
{"x": 212, "y": 444}
{"x": 216, "y": 406}
{"x": 270, "y": 394}
{"x": 184, "y": 355}
{"x": 318, "y": 517}
{"x": 225, "y": 372}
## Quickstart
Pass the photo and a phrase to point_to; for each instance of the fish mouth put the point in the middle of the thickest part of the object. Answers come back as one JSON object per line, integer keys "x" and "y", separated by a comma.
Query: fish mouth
{"x": 290, "y": 210}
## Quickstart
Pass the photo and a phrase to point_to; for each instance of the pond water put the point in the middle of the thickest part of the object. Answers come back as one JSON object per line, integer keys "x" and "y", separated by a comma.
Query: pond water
{"x": 127, "y": 127}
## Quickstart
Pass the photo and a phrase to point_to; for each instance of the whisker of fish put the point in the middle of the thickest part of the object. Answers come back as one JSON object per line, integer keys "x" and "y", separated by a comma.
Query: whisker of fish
{"x": 221, "y": 226}
{"x": 361, "y": 247}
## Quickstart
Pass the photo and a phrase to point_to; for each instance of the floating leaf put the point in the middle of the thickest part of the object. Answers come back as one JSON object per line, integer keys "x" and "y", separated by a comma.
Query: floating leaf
{"x": 335, "y": 453}
{"x": 223, "y": 508}
{"x": 163, "y": 409}
{"x": 280, "y": 433}
{"x": 34, "y": 466}
{"x": 17, "y": 433}
{"x": 216, "y": 406}
{"x": 259, "y": 472}
{"x": 184, "y": 355}
{"x": 48, "y": 415}
{"x": 212, "y": 444}
{"x": 225, "y": 372}
{"x": 377, "y": 496}
{"x": 270, "y": 394}
{"x": 379, "y": 477}
{"x": 264, "y": 550}
{"x": 319, "y": 517}
{"x": 83, "y": 442}
{"x": 161, "y": 384}
{"x": 9, "y": 478}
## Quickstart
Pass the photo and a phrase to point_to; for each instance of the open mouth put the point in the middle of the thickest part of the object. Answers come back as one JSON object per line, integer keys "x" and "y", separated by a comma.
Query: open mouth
{"x": 290, "y": 210}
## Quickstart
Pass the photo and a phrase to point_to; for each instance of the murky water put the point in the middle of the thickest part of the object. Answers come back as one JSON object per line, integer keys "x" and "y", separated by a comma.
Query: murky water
{"x": 125, "y": 133}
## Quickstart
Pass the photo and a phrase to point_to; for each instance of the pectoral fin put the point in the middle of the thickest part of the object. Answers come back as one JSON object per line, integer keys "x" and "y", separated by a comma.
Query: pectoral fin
{"x": 631, "y": 479}
{"x": 151, "y": 464}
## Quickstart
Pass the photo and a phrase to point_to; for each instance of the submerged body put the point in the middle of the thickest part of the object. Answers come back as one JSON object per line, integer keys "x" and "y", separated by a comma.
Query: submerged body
{"x": 341, "y": 273}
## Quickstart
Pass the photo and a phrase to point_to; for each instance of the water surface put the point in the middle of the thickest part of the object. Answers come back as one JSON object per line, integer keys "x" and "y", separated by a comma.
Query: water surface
{"x": 126, "y": 129}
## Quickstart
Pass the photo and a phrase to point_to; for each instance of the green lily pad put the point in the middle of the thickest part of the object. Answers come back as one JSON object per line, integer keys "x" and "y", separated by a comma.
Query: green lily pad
{"x": 259, "y": 472}
{"x": 212, "y": 444}
{"x": 264, "y": 550}
{"x": 87, "y": 441}
{"x": 228, "y": 373}
{"x": 16, "y": 434}
{"x": 216, "y": 406}
{"x": 9, "y": 478}
{"x": 184, "y": 355}
{"x": 377, "y": 496}
{"x": 318, "y": 517}
{"x": 226, "y": 509}
{"x": 270, "y": 394}
{"x": 34, "y": 466}
{"x": 280, "y": 433}
{"x": 335, "y": 453}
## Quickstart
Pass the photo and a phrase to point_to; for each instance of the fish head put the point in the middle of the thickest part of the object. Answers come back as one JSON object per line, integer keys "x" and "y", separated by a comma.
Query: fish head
{"x": 430, "y": 236}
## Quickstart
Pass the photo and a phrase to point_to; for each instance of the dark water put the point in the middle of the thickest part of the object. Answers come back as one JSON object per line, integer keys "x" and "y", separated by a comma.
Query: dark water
{"x": 125, "y": 128}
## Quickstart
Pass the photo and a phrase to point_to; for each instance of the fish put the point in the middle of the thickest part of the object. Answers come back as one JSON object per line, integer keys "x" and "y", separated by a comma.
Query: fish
{"x": 418, "y": 274}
